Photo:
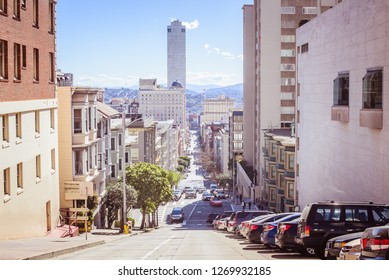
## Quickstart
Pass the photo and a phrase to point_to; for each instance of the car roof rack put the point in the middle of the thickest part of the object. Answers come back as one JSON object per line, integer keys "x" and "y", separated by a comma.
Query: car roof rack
{"x": 345, "y": 202}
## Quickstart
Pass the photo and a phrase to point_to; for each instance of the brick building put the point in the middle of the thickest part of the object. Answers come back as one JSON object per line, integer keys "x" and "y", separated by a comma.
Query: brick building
{"x": 28, "y": 116}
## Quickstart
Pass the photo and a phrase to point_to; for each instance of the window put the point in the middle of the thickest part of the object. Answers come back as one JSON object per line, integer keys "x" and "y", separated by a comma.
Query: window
{"x": 288, "y": 81}
{"x": 290, "y": 161}
{"x": 288, "y": 38}
{"x": 16, "y": 9}
{"x": 273, "y": 194}
{"x": 112, "y": 143}
{"x": 52, "y": 119}
{"x": 288, "y": 10}
{"x": 327, "y": 213}
{"x": 272, "y": 174}
{"x": 3, "y": 7}
{"x": 288, "y": 67}
{"x": 126, "y": 157}
{"x": 372, "y": 90}
{"x": 288, "y": 24}
{"x": 5, "y": 129}
{"x": 287, "y": 95}
{"x": 17, "y": 62}
{"x": 51, "y": 17}
{"x": 304, "y": 48}
{"x": 37, "y": 122}
{"x": 38, "y": 173}
{"x": 290, "y": 190}
{"x": 120, "y": 139}
{"x": 18, "y": 125}
{"x": 7, "y": 183}
{"x": 23, "y": 4}
{"x": 287, "y": 53}
{"x": 24, "y": 56}
{"x": 356, "y": 214}
{"x": 134, "y": 154}
{"x": 36, "y": 64}
{"x": 35, "y": 16}
{"x": 310, "y": 10}
{"x": 238, "y": 136}
{"x": 120, "y": 164}
{"x": 77, "y": 122}
{"x": 52, "y": 159}
{"x": 78, "y": 162}
{"x": 113, "y": 171}
{"x": 169, "y": 30}
{"x": 341, "y": 89}
{"x": 52, "y": 66}
{"x": 19, "y": 175}
{"x": 3, "y": 60}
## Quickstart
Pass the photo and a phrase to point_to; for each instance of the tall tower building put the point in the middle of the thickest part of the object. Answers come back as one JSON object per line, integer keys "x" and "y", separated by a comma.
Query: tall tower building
{"x": 176, "y": 53}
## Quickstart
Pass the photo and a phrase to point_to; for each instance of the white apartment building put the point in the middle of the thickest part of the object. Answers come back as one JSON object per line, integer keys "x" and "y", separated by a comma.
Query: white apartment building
{"x": 167, "y": 145}
{"x": 82, "y": 147}
{"x": 270, "y": 74}
{"x": 343, "y": 104}
{"x": 164, "y": 104}
{"x": 217, "y": 109}
{"x": 176, "y": 53}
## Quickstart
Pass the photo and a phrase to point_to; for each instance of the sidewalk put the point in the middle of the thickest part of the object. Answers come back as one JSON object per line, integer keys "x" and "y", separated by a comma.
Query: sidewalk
{"x": 43, "y": 248}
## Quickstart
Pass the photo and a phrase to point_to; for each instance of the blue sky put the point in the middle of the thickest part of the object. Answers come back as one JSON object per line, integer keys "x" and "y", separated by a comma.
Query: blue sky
{"x": 114, "y": 43}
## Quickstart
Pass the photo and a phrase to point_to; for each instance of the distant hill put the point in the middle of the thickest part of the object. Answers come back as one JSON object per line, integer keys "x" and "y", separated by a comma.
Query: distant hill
{"x": 194, "y": 98}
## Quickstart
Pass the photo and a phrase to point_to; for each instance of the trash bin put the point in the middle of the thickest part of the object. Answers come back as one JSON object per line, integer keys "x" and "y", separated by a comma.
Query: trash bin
{"x": 125, "y": 229}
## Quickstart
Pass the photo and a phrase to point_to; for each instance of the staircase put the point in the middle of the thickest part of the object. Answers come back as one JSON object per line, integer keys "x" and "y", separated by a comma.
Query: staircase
{"x": 64, "y": 231}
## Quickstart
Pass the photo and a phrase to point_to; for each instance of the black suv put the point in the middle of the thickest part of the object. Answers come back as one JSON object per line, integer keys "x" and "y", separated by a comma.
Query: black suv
{"x": 324, "y": 220}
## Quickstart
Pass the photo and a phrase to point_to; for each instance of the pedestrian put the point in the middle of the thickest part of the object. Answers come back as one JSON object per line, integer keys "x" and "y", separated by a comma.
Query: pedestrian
{"x": 244, "y": 205}
{"x": 237, "y": 198}
{"x": 241, "y": 198}
{"x": 250, "y": 205}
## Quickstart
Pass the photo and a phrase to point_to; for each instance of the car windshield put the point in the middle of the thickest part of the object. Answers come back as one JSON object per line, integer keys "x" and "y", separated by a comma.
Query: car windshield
{"x": 176, "y": 212}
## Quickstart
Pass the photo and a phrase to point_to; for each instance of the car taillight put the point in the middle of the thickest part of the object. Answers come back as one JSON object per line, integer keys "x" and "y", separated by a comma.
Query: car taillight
{"x": 374, "y": 244}
{"x": 268, "y": 227}
{"x": 307, "y": 230}
{"x": 253, "y": 227}
{"x": 284, "y": 228}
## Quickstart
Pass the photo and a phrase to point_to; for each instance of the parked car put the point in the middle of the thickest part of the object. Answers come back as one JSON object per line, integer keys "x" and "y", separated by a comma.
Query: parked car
{"x": 351, "y": 250}
{"x": 375, "y": 243}
{"x": 256, "y": 228}
{"x": 322, "y": 221}
{"x": 206, "y": 196}
{"x": 190, "y": 194}
{"x": 270, "y": 229}
{"x": 237, "y": 217}
{"x": 215, "y": 202}
{"x": 286, "y": 234}
{"x": 177, "y": 215}
{"x": 247, "y": 223}
{"x": 211, "y": 217}
{"x": 335, "y": 244}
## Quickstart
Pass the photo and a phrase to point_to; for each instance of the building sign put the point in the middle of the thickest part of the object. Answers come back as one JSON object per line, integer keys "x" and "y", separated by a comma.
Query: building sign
{"x": 78, "y": 190}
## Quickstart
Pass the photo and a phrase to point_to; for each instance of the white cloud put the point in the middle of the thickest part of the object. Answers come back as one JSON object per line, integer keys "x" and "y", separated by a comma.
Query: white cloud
{"x": 103, "y": 80}
{"x": 221, "y": 52}
{"x": 204, "y": 78}
{"x": 191, "y": 25}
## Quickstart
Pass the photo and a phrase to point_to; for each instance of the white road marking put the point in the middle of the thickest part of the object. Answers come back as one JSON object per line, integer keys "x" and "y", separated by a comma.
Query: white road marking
{"x": 156, "y": 248}
{"x": 190, "y": 215}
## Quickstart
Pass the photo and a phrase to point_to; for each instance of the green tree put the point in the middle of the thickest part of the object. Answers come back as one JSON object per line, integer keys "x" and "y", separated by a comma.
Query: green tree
{"x": 173, "y": 177}
{"x": 151, "y": 183}
{"x": 180, "y": 168}
{"x": 114, "y": 201}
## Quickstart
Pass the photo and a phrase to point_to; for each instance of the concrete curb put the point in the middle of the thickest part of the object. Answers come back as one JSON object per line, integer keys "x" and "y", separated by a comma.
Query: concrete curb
{"x": 54, "y": 254}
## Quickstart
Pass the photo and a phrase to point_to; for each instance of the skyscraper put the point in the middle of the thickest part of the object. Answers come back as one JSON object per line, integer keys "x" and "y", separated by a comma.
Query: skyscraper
{"x": 176, "y": 53}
